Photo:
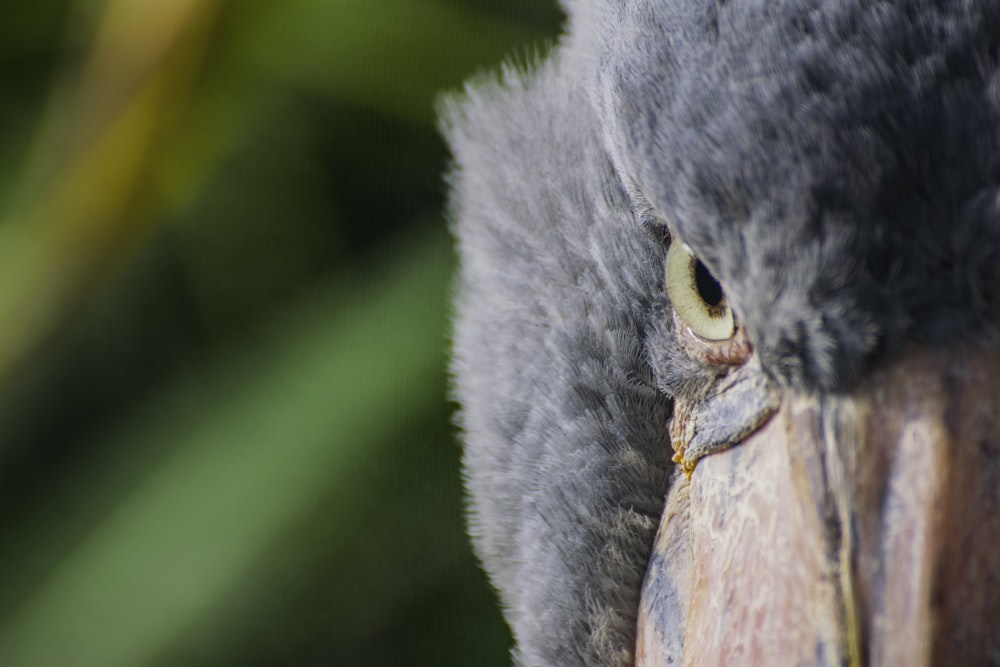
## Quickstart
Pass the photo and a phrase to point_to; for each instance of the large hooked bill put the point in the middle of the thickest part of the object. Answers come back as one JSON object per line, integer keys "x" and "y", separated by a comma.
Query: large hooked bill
{"x": 852, "y": 529}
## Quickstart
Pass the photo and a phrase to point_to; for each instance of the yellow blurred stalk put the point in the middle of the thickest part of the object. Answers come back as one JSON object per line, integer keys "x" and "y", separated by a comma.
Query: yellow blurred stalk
{"x": 85, "y": 194}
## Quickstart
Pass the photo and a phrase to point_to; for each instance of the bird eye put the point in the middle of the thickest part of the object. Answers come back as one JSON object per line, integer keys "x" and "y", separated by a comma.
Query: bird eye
{"x": 696, "y": 295}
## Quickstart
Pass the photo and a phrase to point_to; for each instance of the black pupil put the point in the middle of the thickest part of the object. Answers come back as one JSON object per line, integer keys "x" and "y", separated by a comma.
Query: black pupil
{"x": 709, "y": 288}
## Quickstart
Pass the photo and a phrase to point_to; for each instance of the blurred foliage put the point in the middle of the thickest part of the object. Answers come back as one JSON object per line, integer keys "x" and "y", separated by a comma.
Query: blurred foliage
{"x": 224, "y": 278}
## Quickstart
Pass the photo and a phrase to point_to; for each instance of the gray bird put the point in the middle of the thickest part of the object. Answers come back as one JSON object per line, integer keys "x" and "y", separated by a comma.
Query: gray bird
{"x": 726, "y": 333}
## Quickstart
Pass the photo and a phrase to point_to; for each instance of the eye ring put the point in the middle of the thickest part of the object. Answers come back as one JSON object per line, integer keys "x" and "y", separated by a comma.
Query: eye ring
{"x": 696, "y": 296}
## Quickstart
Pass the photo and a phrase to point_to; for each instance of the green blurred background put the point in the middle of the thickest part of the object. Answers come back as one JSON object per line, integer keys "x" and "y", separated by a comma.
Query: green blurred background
{"x": 224, "y": 280}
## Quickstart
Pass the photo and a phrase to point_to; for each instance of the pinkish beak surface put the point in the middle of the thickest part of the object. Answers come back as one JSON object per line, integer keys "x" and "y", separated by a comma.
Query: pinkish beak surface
{"x": 849, "y": 530}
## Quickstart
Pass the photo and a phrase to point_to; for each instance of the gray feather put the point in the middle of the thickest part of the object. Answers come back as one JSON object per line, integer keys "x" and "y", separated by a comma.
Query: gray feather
{"x": 833, "y": 164}
{"x": 568, "y": 457}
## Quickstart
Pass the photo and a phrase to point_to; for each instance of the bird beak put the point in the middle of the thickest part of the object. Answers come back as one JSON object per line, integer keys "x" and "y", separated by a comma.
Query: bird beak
{"x": 861, "y": 529}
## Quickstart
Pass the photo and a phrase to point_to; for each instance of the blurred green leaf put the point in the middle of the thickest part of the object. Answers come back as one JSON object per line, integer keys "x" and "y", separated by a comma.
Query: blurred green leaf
{"x": 250, "y": 449}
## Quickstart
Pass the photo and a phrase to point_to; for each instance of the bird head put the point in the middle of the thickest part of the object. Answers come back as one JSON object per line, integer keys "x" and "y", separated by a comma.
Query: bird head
{"x": 726, "y": 334}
